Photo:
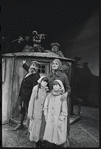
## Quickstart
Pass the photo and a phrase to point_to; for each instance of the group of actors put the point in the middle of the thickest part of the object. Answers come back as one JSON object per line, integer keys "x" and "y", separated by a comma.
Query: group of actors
{"x": 44, "y": 99}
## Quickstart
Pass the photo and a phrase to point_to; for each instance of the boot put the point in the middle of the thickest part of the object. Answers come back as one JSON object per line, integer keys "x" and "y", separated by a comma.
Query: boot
{"x": 34, "y": 145}
{"x": 20, "y": 124}
{"x": 17, "y": 127}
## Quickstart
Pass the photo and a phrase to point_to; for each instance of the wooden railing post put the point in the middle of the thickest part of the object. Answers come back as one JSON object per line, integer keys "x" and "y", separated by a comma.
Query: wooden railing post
{"x": 66, "y": 144}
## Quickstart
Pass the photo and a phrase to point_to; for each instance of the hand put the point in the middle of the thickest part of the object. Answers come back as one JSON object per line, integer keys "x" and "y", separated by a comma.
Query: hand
{"x": 24, "y": 61}
{"x": 60, "y": 123}
{"x": 65, "y": 95}
{"x": 46, "y": 118}
{"x": 31, "y": 118}
{"x": 19, "y": 107}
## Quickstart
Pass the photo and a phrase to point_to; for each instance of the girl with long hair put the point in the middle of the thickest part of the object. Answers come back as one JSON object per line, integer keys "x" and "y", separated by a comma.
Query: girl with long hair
{"x": 35, "y": 110}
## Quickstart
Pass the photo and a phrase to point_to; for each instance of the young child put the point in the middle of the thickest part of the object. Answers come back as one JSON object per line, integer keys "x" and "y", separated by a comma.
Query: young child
{"x": 35, "y": 110}
{"x": 55, "y": 112}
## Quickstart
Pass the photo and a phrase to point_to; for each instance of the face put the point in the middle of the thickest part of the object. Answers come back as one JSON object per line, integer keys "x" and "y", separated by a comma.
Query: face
{"x": 33, "y": 69}
{"x": 56, "y": 87}
{"x": 55, "y": 65}
{"x": 43, "y": 83}
{"x": 55, "y": 48}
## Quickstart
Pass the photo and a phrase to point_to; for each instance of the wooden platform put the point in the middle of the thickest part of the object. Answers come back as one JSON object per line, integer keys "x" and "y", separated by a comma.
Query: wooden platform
{"x": 74, "y": 118}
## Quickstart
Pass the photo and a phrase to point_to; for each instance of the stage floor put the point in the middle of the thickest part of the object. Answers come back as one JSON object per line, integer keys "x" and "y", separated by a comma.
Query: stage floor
{"x": 83, "y": 133}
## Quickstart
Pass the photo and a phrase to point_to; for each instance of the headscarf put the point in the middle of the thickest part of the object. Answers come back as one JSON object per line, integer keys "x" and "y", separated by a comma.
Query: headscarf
{"x": 61, "y": 90}
{"x": 40, "y": 79}
{"x": 59, "y": 62}
{"x": 39, "y": 82}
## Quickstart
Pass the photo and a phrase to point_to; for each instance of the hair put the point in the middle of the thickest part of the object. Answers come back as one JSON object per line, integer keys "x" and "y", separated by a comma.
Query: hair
{"x": 45, "y": 79}
{"x": 37, "y": 64}
{"x": 59, "y": 62}
{"x": 53, "y": 48}
{"x": 39, "y": 85}
{"x": 56, "y": 83}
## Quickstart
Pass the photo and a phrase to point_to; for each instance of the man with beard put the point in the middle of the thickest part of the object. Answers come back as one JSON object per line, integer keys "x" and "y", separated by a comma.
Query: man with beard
{"x": 28, "y": 82}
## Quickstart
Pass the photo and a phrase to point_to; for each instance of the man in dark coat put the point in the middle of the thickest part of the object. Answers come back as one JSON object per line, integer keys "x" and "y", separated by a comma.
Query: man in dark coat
{"x": 28, "y": 82}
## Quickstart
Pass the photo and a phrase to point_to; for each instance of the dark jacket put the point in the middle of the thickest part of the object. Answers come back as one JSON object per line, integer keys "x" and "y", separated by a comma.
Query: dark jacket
{"x": 27, "y": 85}
{"x": 60, "y": 76}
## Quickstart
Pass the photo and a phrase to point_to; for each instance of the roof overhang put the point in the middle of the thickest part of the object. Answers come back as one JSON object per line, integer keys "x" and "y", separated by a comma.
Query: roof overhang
{"x": 50, "y": 55}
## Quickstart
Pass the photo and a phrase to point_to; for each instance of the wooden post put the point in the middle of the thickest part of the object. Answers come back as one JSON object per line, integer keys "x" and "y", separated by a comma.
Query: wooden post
{"x": 66, "y": 144}
{"x": 69, "y": 106}
{"x": 72, "y": 88}
{"x": 79, "y": 107}
{"x": 79, "y": 110}
{"x": 11, "y": 117}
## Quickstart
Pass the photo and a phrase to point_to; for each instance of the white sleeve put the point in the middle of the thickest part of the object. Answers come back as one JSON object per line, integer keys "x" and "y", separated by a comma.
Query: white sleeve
{"x": 45, "y": 109}
{"x": 31, "y": 103}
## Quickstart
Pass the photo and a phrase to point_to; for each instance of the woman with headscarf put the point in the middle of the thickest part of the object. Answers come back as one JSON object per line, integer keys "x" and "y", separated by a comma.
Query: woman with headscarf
{"x": 56, "y": 73}
{"x": 55, "y": 112}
